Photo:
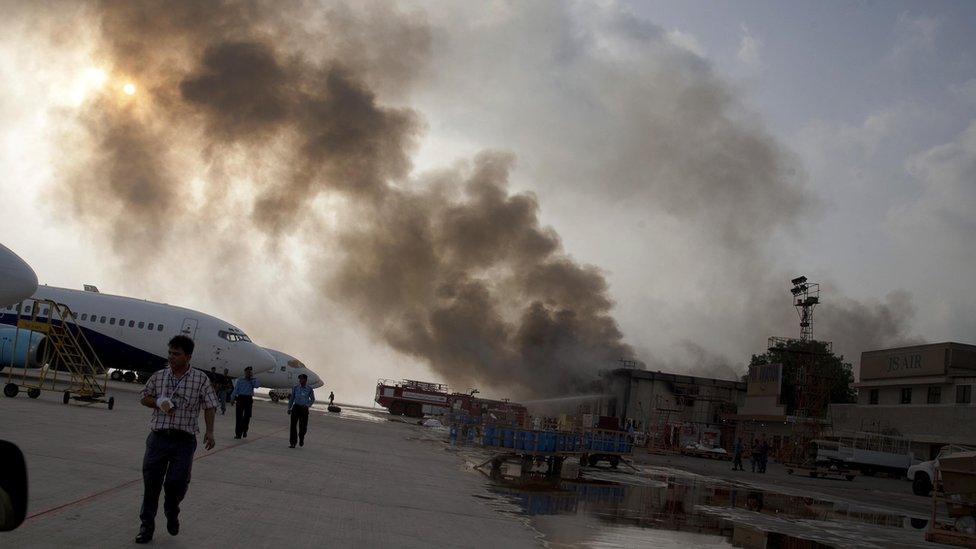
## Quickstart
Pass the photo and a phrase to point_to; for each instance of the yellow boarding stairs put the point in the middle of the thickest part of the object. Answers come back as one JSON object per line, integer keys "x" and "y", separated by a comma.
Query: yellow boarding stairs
{"x": 65, "y": 352}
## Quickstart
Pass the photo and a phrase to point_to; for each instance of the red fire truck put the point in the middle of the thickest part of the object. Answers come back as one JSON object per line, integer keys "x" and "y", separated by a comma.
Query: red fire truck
{"x": 419, "y": 398}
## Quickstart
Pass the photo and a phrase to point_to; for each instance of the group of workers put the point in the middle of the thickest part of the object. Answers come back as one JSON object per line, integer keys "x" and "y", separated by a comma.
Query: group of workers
{"x": 176, "y": 394}
{"x": 758, "y": 455}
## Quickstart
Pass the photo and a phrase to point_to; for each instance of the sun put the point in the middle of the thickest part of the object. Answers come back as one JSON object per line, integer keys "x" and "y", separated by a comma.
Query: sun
{"x": 129, "y": 88}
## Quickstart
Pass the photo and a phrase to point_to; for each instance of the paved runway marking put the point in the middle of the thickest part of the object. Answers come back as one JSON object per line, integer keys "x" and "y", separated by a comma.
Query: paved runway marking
{"x": 126, "y": 484}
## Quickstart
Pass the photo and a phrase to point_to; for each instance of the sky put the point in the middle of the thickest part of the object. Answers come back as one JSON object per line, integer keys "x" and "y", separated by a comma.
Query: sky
{"x": 503, "y": 195}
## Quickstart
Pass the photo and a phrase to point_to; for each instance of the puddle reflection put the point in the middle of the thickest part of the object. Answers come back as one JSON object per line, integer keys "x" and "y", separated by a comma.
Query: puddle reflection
{"x": 659, "y": 508}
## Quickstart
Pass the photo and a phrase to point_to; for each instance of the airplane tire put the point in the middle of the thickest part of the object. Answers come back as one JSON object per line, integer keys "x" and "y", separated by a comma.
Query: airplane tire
{"x": 129, "y": 376}
{"x": 116, "y": 375}
{"x": 65, "y": 397}
{"x": 10, "y": 390}
{"x": 274, "y": 397}
{"x": 111, "y": 402}
{"x": 33, "y": 393}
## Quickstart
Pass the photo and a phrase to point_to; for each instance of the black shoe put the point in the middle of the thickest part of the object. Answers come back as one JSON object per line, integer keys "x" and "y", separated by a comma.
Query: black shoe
{"x": 245, "y": 434}
{"x": 291, "y": 445}
{"x": 301, "y": 442}
{"x": 173, "y": 525}
{"x": 237, "y": 436}
{"x": 145, "y": 534}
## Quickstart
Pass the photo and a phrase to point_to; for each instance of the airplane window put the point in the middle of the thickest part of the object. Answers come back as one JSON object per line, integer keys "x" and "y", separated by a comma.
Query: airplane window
{"x": 102, "y": 320}
{"x": 233, "y": 336}
{"x": 150, "y": 326}
{"x": 84, "y": 316}
{"x": 112, "y": 321}
{"x": 141, "y": 324}
{"x": 121, "y": 322}
{"x": 282, "y": 368}
{"x": 159, "y": 328}
{"x": 132, "y": 323}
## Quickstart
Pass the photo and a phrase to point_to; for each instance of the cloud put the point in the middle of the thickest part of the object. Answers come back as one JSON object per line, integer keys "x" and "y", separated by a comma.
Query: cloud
{"x": 945, "y": 176}
{"x": 687, "y": 41}
{"x": 750, "y": 47}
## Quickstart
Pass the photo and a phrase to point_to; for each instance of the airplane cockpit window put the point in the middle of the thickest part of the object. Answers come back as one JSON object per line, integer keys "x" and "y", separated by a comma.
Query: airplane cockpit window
{"x": 233, "y": 336}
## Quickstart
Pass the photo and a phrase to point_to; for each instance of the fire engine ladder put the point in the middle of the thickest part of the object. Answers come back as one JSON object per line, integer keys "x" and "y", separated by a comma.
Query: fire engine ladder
{"x": 66, "y": 349}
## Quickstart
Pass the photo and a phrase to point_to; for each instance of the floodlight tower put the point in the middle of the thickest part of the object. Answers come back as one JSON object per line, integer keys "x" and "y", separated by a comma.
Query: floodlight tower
{"x": 806, "y": 296}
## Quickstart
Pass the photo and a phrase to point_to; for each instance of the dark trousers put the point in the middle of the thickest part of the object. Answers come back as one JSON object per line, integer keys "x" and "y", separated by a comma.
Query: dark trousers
{"x": 166, "y": 465}
{"x": 243, "y": 414}
{"x": 299, "y": 424}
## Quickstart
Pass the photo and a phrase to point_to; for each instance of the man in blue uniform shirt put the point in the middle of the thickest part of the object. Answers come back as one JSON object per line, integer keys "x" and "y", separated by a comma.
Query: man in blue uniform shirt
{"x": 301, "y": 399}
{"x": 243, "y": 399}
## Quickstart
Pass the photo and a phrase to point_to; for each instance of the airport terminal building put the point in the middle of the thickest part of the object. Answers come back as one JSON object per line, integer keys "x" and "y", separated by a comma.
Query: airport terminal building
{"x": 693, "y": 406}
{"x": 923, "y": 392}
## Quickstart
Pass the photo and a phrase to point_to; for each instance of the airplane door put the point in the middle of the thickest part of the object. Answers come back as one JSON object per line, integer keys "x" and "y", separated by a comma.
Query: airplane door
{"x": 189, "y": 327}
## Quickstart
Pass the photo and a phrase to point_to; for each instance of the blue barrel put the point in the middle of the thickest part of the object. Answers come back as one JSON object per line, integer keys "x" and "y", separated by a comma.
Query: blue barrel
{"x": 528, "y": 443}
{"x": 509, "y": 438}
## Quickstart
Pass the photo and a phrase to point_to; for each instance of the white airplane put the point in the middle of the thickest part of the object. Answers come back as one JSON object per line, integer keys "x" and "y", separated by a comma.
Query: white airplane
{"x": 285, "y": 375}
{"x": 17, "y": 279}
{"x": 132, "y": 334}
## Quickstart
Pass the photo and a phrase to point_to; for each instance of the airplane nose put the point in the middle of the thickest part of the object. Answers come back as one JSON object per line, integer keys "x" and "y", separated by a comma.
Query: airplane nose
{"x": 260, "y": 360}
{"x": 17, "y": 280}
{"x": 317, "y": 383}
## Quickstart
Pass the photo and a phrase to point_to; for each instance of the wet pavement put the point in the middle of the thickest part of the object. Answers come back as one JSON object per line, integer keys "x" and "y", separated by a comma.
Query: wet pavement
{"x": 667, "y": 507}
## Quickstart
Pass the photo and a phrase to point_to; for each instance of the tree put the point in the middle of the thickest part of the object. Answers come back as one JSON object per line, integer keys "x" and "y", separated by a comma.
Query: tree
{"x": 792, "y": 353}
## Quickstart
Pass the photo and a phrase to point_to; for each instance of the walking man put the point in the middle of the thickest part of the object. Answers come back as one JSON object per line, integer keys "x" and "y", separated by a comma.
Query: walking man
{"x": 331, "y": 397}
{"x": 176, "y": 395}
{"x": 243, "y": 397}
{"x": 737, "y": 455}
{"x": 223, "y": 391}
{"x": 763, "y": 455}
{"x": 754, "y": 454}
{"x": 299, "y": 401}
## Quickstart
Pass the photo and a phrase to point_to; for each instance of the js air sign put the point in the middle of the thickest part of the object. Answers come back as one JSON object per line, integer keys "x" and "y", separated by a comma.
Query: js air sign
{"x": 895, "y": 363}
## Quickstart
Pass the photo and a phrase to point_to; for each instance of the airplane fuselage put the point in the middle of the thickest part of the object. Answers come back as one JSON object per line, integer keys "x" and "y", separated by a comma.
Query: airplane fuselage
{"x": 133, "y": 334}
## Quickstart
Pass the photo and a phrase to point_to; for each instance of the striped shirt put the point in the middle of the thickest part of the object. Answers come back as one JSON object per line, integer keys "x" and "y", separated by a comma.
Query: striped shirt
{"x": 301, "y": 396}
{"x": 188, "y": 393}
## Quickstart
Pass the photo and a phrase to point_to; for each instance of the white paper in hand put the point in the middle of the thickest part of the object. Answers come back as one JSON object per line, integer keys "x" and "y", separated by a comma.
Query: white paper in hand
{"x": 164, "y": 403}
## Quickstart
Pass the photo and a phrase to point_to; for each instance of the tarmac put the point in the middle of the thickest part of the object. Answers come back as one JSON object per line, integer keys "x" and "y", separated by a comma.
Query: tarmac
{"x": 368, "y": 479}
{"x": 361, "y": 480}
